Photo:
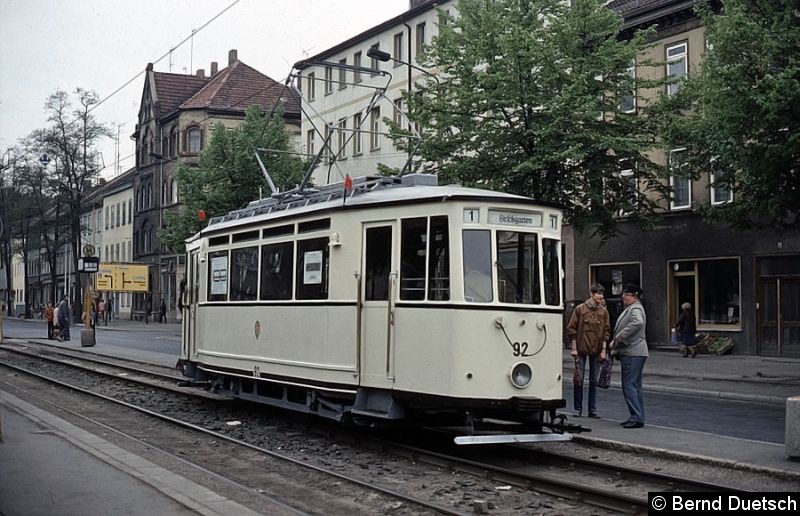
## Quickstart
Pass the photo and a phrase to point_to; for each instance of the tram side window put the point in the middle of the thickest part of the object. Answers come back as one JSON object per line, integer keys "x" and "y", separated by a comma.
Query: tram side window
{"x": 312, "y": 268}
{"x": 439, "y": 261}
{"x": 477, "y": 247}
{"x": 276, "y": 271}
{"x": 518, "y": 268}
{"x": 218, "y": 276}
{"x": 413, "y": 237}
{"x": 552, "y": 277}
{"x": 244, "y": 274}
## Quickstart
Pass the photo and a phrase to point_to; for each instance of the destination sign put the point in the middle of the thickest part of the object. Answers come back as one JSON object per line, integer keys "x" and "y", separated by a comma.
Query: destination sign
{"x": 516, "y": 218}
{"x": 122, "y": 277}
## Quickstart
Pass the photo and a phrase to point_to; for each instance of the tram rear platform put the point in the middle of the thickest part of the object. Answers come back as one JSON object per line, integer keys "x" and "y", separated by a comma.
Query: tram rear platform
{"x": 48, "y": 463}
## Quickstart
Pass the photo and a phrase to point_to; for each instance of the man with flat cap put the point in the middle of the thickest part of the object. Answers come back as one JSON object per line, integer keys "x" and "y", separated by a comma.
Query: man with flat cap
{"x": 630, "y": 347}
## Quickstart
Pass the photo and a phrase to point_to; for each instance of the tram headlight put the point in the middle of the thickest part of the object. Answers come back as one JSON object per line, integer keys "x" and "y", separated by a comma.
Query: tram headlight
{"x": 521, "y": 375}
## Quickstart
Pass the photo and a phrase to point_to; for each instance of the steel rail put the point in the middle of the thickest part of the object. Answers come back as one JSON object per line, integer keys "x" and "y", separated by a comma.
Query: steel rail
{"x": 365, "y": 485}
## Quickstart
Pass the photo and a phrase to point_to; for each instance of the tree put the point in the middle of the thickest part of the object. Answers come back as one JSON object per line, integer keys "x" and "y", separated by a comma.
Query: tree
{"x": 70, "y": 139}
{"x": 740, "y": 115}
{"x": 528, "y": 103}
{"x": 228, "y": 176}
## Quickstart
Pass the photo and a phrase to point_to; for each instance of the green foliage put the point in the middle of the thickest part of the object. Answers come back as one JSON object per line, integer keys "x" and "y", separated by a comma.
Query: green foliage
{"x": 527, "y": 103}
{"x": 228, "y": 176}
{"x": 740, "y": 115}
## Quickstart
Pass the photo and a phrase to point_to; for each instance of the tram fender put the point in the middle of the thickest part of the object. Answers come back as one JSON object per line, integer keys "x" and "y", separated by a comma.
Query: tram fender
{"x": 378, "y": 404}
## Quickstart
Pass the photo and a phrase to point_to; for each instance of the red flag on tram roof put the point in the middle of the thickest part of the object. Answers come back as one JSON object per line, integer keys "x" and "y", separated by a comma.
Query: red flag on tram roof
{"x": 348, "y": 183}
{"x": 201, "y": 215}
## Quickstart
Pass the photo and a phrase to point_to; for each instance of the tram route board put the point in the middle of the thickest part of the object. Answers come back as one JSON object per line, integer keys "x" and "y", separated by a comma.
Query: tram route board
{"x": 121, "y": 277}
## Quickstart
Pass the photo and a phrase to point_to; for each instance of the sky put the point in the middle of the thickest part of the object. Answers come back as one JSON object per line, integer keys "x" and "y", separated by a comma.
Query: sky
{"x": 100, "y": 45}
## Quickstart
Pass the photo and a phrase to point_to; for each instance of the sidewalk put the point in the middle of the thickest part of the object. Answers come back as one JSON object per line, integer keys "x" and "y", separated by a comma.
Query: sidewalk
{"x": 734, "y": 377}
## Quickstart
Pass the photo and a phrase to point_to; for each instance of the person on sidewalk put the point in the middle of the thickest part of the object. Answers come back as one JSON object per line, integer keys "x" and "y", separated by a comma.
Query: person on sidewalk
{"x": 64, "y": 317}
{"x": 687, "y": 328}
{"x": 162, "y": 312}
{"x": 588, "y": 330}
{"x": 630, "y": 347}
{"x": 49, "y": 314}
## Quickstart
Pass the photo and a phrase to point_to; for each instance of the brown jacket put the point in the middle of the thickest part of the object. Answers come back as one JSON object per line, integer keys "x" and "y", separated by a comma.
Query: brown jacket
{"x": 589, "y": 327}
{"x": 48, "y": 313}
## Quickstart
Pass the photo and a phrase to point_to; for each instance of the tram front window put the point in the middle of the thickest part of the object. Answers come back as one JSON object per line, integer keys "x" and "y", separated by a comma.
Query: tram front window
{"x": 518, "y": 268}
{"x": 477, "y": 247}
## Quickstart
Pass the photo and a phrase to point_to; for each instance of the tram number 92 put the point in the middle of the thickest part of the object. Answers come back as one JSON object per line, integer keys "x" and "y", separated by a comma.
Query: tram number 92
{"x": 520, "y": 349}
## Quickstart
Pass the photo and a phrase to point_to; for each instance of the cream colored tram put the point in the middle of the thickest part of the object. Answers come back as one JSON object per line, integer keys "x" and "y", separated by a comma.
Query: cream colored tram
{"x": 401, "y": 301}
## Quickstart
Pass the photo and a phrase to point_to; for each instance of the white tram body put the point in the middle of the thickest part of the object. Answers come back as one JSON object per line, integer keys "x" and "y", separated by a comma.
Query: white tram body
{"x": 402, "y": 300}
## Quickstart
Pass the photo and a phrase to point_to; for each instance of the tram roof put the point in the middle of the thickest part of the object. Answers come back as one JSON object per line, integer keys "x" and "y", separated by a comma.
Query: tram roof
{"x": 367, "y": 192}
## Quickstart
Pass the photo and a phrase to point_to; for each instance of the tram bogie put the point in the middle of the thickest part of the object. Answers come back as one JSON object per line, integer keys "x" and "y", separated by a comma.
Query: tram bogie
{"x": 396, "y": 302}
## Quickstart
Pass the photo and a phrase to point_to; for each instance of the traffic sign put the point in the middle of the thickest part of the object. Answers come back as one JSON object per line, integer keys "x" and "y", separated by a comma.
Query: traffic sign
{"x": 88, "y": 264}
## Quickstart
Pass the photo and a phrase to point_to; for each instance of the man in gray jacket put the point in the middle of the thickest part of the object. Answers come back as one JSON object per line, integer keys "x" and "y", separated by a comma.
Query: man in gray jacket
{"x": 630, "y": 347}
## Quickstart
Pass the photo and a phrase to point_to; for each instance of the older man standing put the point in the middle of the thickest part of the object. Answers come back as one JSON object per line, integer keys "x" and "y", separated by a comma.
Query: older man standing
{"x": 630, "y": 346}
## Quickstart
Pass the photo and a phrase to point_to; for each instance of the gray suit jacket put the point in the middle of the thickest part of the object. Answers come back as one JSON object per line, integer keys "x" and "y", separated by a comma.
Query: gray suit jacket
{"x": 629, "y": 332}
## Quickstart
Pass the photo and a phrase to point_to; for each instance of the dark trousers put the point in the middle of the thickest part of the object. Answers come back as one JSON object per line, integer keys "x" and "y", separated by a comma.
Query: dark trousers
{"x": 632, "y": 368}
{"x": 50, "y": 327}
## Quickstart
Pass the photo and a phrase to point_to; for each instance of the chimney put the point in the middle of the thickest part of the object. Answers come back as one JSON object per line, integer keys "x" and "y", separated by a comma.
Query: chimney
{"x": 200, "y": 73}
{"x": 213, "y": 68}
{"x": 232, "y": 56}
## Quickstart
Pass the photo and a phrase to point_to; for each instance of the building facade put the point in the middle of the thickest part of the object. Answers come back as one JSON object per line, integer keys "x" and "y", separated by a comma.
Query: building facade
{"x": 176, "y": 117}
{"x": 117, "y": 242}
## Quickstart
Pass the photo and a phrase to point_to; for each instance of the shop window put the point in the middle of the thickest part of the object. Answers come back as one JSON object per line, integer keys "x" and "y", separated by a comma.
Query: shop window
{"x": 276, "y": 271}
{"x": 711, "y": 286}
{"x": 244, "y": 274}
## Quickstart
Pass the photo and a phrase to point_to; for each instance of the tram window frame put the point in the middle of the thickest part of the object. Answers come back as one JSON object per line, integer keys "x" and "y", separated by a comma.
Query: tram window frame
{"x": 220, "y": 240}
{"x": 305, "y": 289}
{"x": 314, "y": 225}
{"x": 271, "y": 274}
{"x": 438, "y": 258}
{"x": 530, "y": 292}
{"x": 551, "y": 270}
{"x": 211, "y": 295}
{"x": 286, "y": 229}
{"x": 476, "y": 245}
{"x": 377, "y": 263}
{"x": 244, "y": 236}
{"x": 418, "y": 281}
{"x": 243, "y": 287}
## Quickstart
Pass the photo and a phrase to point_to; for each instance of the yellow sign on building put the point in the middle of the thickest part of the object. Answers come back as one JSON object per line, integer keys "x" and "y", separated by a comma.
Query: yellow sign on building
{"x": 121, "y": 277}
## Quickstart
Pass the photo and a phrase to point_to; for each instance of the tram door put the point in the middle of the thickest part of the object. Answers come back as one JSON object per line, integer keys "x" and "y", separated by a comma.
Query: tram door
{"x": 378, "y": 290}
{"x": 190, "y": 304}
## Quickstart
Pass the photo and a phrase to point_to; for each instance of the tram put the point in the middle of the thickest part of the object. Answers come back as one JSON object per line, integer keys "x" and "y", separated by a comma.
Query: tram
{"x": 393, "y": 301}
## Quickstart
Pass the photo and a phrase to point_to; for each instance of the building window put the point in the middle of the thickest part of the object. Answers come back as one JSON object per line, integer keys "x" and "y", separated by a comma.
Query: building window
{"x": 106, "y": 216}
{"x": 173, "y": 142}
{"x": 342, "y": 139}
{"x": 356, "y": 134}
{"x": 711, "y": 286}
{"x": 328, "y": 80}
{"x": 398, "y": 49}
{"x": 721, "y": 192}
{"x": 420, "y": 38}
{"x": 310, "y": 143}
{"x": 627, "y": 103}
{"x": 679, "y": 181}
{"x": 312, "y": 86}
{"x": 630, "y": 190}
{"x": 327, "y": 155}
{"x": 375, "y": 128}
{"x": 343, "y": 74}
{"x": 374, "y": 63}
{"x": 677, "y": 66}
{"x": 357, "y": 64}
{"x": 174, "y": 188}
{"x": 193, "y": 138}
{"x": 130, "y": 210}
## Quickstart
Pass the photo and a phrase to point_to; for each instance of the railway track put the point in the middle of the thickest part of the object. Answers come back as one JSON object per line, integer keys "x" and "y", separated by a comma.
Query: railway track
{"x": 515, "y": 467}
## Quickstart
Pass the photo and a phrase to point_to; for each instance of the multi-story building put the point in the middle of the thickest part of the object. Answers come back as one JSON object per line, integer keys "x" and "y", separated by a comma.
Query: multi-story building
{"x": 176, "y": 116}
{"x": 338, "y": 98}
{"x": 742, "y": 284}
{"x": 117, "y": 231}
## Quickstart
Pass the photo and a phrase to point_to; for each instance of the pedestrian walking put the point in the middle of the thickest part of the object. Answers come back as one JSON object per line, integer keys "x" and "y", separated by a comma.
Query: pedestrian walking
{"x": 49, "y": 314}
{"x": 630, "y": 346}
{"x": 687, "y": 328}
{"x": 162, "y": 312}
{"x": 109, "y": 310}
{"x": 64, "y": 317}
{"x": 588, "y": 330}
{"x": 101, "y": 309}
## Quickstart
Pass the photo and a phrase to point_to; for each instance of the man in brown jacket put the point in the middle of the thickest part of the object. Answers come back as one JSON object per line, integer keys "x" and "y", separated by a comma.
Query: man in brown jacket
{"x": 588, "y": 331}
